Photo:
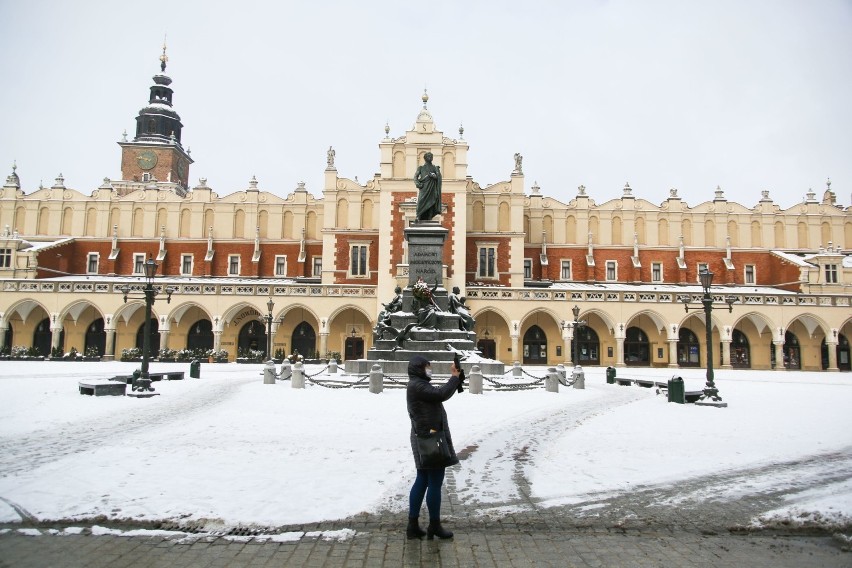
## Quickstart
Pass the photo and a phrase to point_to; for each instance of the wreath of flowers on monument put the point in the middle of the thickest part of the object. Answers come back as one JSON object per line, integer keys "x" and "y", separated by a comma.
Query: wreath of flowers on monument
{"x": 421, "y": 291}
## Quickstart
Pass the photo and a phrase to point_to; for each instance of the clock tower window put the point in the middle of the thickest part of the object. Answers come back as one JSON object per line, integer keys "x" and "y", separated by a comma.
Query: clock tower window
{"x": 152, "y": 125}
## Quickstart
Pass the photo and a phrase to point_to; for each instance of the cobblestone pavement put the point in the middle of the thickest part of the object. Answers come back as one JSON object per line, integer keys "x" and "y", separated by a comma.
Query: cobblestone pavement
{"x": 653, "y": 526}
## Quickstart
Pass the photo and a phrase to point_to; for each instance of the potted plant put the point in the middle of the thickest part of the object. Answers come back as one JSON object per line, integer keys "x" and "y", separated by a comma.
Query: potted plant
{"x": 185, "y": 355}
{"x": 131, "y": 354}
{"x": 335, "y": 355}
{"x": 56, "y": 354}
{"x": 19, "y": 352}
{"x": 91, "y": 354}
{"x": 220, "y": 356}
{"x": 167, "y": 355}
{"x": 279, "y": 356}
{"x": 73, "y": 355}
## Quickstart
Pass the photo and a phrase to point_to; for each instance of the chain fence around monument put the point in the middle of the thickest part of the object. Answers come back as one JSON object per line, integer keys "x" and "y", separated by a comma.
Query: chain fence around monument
{"x": 402, "y": 380}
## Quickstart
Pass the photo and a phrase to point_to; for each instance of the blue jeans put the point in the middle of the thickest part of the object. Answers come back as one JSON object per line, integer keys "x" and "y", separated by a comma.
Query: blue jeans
{"x": 428, "y": 483}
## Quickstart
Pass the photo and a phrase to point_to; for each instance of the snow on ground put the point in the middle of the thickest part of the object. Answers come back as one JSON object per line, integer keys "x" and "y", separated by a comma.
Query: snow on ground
{"x": 229, "y": 449}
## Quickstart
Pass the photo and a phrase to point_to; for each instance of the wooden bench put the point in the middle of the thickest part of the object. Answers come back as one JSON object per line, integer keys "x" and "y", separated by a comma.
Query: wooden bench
{"x": 169, "y": 376}
{"x": 623, "y": 382}
{"x": 644, "y": 383}
{"x": 126, "y": 379}
{"x": 692, "y": 396}
{"x": 101, "y": 387}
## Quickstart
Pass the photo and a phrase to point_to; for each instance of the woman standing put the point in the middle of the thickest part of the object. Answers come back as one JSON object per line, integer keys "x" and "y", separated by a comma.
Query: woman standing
{"x": 426, "y": 410}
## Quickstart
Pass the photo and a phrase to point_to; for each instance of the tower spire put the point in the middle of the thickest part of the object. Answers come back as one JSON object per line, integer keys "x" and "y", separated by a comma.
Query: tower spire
{"x": 163, "y": 58}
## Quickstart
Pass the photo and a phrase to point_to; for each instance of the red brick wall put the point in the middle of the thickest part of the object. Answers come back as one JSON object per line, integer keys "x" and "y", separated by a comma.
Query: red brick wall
{"x": 342, "y": 242}
{"x": 504, "y": 260}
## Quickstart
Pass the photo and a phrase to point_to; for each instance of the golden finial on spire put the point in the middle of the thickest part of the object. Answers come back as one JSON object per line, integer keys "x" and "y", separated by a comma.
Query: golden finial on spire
{"x": 163, "y": 58}
{"x": 425, "y": 97}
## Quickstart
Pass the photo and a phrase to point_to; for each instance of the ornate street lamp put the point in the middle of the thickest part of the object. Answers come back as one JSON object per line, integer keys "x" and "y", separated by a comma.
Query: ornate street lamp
{"x": 576, "y": 325}
{"x": 269, "y": 305}
{"x": 142, "y": 385}
{"x": 710, "y": 397}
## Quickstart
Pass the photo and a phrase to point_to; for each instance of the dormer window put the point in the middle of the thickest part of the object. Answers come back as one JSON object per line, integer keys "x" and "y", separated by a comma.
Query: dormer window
{"x": 831, "y": 274}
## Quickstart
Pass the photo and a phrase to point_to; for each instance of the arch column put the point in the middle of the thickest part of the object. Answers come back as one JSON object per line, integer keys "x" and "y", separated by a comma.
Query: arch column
{"x": 55, "y": 336}
{"x": 109, "y": 346}
{"x": 832, "y": 355}
{"x": 567, "y": 336}
{"x": 323, "y": 343}
{"x": 164, "y": 337}
{"x": 619, "y": 352}
{"x": 217, "y": 339}
{"x": 779, "y": 354}
{"x": 3, "y": 327}
{"x": 726, "y": 354}
{"x": 672, "y": 353}
{"x": 516, "y": 355}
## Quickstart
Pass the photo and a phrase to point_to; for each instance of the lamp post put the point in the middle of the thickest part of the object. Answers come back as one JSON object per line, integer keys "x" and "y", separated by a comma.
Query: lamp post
{"x": 269, "y": 305}
{"x": 142, "y": 385}
{"x": 576, "y": 324}
{"x": 710, "y": 397}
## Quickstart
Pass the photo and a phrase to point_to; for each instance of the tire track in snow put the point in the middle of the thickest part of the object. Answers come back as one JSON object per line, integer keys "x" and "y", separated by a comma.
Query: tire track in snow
{"x": 24, "y": 453}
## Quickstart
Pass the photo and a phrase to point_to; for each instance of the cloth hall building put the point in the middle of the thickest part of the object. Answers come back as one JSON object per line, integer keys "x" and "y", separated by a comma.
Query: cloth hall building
{"x": 522, "y": 259}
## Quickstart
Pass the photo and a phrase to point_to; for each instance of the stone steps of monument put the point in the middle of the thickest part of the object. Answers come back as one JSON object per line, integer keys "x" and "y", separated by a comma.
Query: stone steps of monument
{"x": 424, "y": 334}
{"x": 399, "y": 367}
{"x": 414, "y": 345}
{"x": 443, "y": 322}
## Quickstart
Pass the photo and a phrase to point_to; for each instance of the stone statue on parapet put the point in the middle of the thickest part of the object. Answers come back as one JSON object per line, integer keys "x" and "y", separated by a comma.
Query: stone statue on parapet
{"x": 519, "y": 168}
{"x": 456, "y": 306}
{"x": 427, "y": 179}
{"x": 329, "y": 158}
{"x": 391, "y": 307}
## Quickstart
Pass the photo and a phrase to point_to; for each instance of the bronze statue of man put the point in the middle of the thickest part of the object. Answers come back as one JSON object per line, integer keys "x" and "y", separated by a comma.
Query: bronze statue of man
{"x": 427, "y": 178}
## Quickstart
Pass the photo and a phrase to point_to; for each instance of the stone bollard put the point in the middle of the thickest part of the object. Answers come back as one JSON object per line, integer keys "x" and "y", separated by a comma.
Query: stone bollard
{"x": 298, "y": 381}
{"x": 579, "y": 376}
{"x": 377, "y": 378}
{"x": 286, "y": 370}
{"x": 475, "y": 380}
{"x": 269, "y": 373}
{"x": 551, "y": 383}
{"x": 332, "y": 366}
{"x": 517, "y": 372}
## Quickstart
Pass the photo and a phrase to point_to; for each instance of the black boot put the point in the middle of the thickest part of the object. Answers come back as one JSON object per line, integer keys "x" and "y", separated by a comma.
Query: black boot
{"x": 435, "y": 529}
{"x": 413, "y": 530}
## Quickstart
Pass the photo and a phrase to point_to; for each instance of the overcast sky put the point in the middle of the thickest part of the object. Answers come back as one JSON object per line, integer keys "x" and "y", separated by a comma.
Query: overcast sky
{"x": 747, "y": 95}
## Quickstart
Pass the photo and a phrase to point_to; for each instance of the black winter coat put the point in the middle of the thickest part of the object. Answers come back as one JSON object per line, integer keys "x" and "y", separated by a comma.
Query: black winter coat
{"x": 427, "y": 412}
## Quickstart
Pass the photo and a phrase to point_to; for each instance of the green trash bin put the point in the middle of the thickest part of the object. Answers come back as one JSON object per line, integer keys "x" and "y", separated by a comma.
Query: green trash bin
{"x": 676, "y": 390}
{"x": 610, "y": 375}
{"x": 195, "y": 369}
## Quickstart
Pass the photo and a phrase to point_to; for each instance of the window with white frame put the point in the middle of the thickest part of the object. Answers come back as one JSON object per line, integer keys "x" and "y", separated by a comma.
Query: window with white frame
{"x": 5, "y": 258}
{"x": 702, "y": 266}
{"x": 139, "y": 264}
{"x": 749, "y": 274}
{"x": 566, "y": 270}
{"x": 233, "y": 265}
{"x": 527, "y": 269}
{"x": 656, "y": 272}
{"x": 358, "y": 261}
{"x": 92, "y": 263}
{"x": 317, "y": 266}
{"x": 280, "y": 265}
{"x": 487, "y": 267}
{"x": 186, "y": 264}
{"x": 831, "y": 274}
{"x": 611, "y": 270}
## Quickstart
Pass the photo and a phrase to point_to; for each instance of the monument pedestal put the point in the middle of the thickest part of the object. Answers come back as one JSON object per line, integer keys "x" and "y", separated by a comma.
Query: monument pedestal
{"x": 438, "y": 345}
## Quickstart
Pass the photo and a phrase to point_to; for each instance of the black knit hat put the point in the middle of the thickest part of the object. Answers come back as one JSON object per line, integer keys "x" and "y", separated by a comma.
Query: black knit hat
{"x": 417, "y": 366}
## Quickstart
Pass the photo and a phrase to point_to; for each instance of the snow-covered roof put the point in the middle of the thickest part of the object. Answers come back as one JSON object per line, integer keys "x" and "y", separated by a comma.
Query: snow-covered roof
{"x": 673, "y": 288}
{"x": 794, "y": 258}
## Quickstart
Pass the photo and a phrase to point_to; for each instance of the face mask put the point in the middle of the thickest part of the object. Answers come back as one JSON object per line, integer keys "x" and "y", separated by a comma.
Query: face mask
{"x": 429, "y": 373}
